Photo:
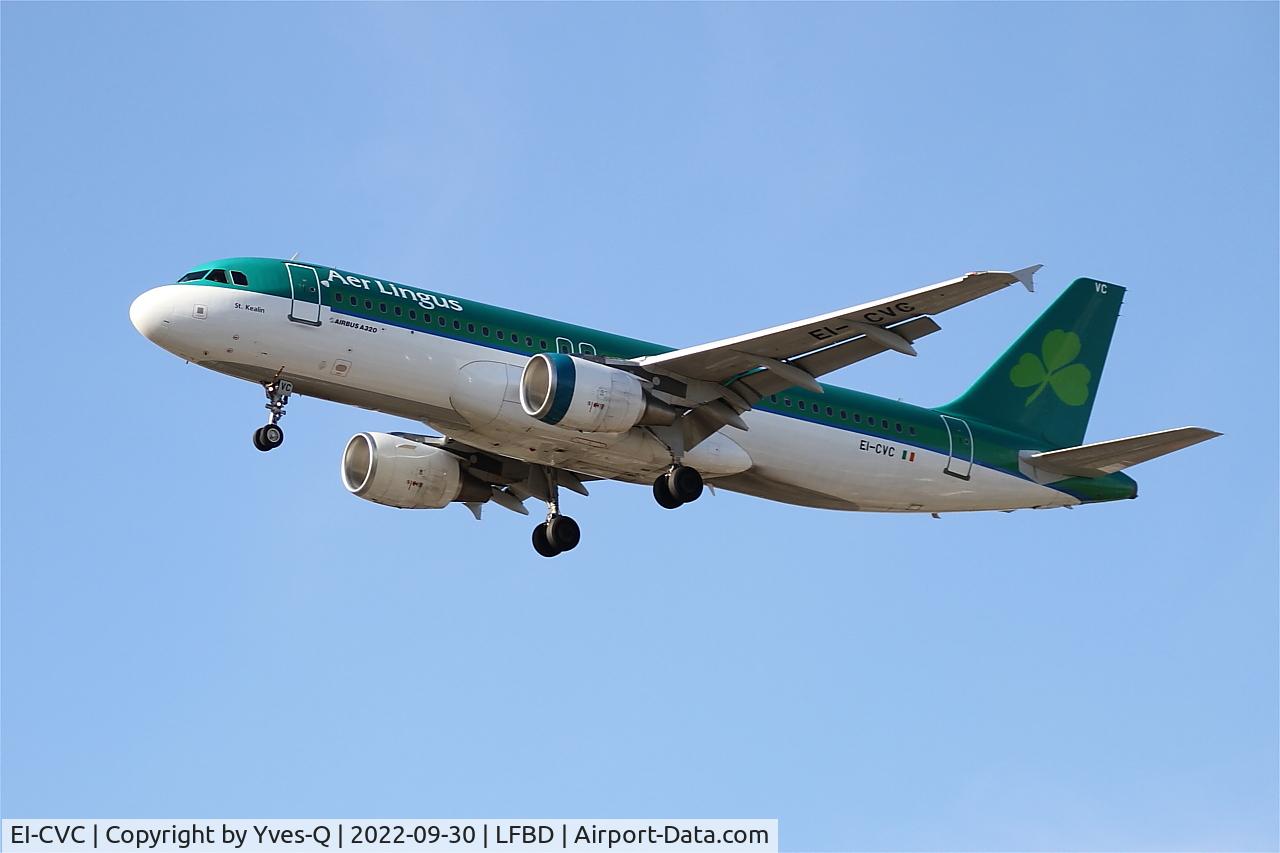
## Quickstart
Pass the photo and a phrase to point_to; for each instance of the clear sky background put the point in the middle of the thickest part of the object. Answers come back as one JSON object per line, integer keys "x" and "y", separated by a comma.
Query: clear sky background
{"x": 193, "y": 628}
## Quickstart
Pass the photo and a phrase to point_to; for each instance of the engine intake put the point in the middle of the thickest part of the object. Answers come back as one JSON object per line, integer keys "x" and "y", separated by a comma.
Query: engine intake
{"x": 403, "y": 473}
{"x": 578, "y": 394}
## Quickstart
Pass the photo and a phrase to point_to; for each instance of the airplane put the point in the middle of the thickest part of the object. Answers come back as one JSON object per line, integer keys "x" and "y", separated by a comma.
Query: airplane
{"x": 526, "y": 406}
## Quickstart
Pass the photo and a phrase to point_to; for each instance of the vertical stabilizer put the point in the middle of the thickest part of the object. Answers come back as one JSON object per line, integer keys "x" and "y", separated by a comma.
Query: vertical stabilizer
{"x": 1044, "y": 385}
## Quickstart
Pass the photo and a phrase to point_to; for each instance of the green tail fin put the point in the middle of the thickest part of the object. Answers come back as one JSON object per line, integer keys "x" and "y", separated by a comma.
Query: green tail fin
{"x": 1044, "y": 385}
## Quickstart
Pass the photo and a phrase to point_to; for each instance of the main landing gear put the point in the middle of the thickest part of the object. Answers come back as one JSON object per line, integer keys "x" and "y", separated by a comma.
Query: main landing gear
{"x": 679, "y": 486}
{"x": 556, "y": 535}
{"x": 271, "y": 436}
{"x": 559, "y": 533}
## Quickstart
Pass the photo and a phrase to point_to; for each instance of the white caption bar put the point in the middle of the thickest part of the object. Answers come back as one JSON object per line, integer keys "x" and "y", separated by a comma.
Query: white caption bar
{"x": 307, "y": 836}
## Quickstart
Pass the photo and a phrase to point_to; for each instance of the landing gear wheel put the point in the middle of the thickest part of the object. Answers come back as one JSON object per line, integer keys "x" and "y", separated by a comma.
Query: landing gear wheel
{"x": 268, "y": 437}
{"x": 540, "y": 542}
{"x": 563, "y": 533}
{"x": 273, "y": 436}
{"x": 662, "y": 494}
{"x": 685, "y": 484}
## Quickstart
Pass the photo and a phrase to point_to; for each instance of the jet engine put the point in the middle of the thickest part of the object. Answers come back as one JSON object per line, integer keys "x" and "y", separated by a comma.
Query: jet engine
{"x": 399, "y": 472}
{"x": 584, "y": 395}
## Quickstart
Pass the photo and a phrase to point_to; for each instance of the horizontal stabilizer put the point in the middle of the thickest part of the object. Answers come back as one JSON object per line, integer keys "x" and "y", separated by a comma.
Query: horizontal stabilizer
{"x": 1108, "y": 457}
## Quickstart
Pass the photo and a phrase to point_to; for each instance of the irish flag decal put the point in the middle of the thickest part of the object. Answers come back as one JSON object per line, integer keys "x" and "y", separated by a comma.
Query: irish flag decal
{"x": 908, "y": 456}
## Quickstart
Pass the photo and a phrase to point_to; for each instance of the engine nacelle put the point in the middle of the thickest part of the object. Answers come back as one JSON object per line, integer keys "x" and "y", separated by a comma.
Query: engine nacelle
{"x": 399, "y": 472}
{"x": 584, "y": 395}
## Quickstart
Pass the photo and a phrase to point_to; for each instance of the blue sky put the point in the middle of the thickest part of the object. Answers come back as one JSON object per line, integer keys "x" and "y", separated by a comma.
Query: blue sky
{"x": 193, "y": 628}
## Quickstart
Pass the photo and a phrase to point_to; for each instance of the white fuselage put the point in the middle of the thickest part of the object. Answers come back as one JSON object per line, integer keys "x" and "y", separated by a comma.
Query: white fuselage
{"x": 470, "y": 392}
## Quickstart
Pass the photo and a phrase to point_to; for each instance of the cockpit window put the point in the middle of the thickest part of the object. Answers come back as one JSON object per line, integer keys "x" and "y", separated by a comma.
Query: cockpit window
{"x": 194, "y": 276}
{"x": 239, "y": 278}
{"x": 219, "y": 276}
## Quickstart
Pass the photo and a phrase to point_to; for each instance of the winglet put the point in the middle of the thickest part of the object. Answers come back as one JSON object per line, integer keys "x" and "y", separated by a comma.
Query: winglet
{"x": 1024, "y": 275}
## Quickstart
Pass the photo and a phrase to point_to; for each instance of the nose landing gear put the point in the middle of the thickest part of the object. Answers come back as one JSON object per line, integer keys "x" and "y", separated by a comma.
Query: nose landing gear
{"x": 678, "y": 486}
{"x": 271, "y": 436}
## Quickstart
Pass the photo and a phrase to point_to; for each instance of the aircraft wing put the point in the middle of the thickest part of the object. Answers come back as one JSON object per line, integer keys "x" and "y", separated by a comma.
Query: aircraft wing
{"x": 797, "y": 352}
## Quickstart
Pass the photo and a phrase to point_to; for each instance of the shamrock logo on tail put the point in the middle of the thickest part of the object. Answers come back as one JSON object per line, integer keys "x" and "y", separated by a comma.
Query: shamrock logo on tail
{"x": 1069, "y": 381}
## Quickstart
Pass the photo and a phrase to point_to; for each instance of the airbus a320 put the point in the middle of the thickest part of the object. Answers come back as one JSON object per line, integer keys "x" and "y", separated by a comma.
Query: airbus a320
{"x": 526, "y": 407}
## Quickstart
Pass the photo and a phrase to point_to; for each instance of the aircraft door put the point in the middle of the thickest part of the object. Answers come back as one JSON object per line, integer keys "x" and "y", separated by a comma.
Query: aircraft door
{"x": 305, "y": 286}
{"x": 959, "y": 448}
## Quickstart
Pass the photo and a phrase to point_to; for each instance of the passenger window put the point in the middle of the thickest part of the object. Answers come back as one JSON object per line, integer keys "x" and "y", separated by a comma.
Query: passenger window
{"x": 382, "y": 306}
{"x": 398, "y": 311}
{"x": 543, "y": 343}
{"x": 457, "y": 324}
{"x": 844, "y": 416}
{"x": 857, "y": 418}
{"x": 193, "y": 276}
{"x": 773, "y": 398}
{"x": 911, "y": 430}
{"x": 368, "y": 305}
{"x": 239, "y": 278}
{"x": 829, "y": 412}
{"x": 337, "y": 297}
{"x": 897, "y": 427}
{"x": 564, "y": 345}
{"x": 786, "y": 401}
{"x": 884, "y": 423}
{"x": 484, "y": 330}
{"x": 586, "y": 349}
{"x": 441, "y": 322}
{"x": 413, "y": 315}
{"x": 219, "y": 276}
{"x": 502, "y": 335}
{"x": 471, "y": 327}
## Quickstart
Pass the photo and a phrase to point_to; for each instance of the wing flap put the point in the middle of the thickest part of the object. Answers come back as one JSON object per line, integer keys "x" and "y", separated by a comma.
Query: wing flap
{"x": 1108, "y": 457}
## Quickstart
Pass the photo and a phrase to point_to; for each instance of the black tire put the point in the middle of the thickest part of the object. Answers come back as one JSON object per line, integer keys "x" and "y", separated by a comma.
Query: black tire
{"x": 541, "y": 543}
{"x": 685, "y": 484}
{"x": 663, "y": 495}
{"x": 563, "y": 533}
{"x": 272, "y": 436}
{"x": 257, "y": 440}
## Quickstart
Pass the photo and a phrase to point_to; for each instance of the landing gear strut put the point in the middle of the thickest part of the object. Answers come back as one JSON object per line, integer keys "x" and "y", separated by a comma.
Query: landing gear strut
{"x": 271, "y": 436}
{"x": 678, "y": 486}
{"x": 559, "y": 533}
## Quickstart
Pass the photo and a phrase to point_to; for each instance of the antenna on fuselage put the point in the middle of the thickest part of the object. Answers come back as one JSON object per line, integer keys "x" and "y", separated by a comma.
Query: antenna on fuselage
{"x": 294, "y": 256}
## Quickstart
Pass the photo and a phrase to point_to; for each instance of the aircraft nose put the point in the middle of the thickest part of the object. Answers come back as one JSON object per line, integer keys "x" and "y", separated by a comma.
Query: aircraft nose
{"x": 150, "y": 312}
